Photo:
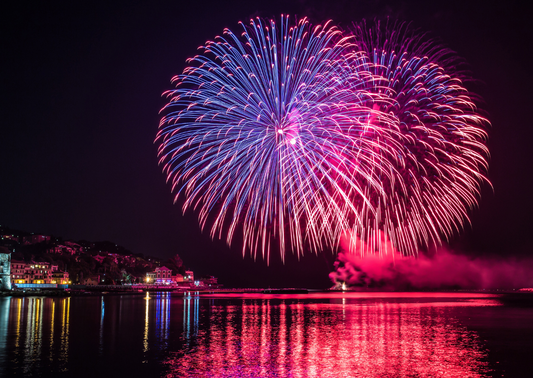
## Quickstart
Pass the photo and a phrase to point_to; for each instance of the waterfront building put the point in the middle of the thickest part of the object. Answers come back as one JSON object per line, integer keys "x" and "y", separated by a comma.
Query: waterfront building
{"x": 60, "y": 278}
{"x": 37, "y": 273}
{"x": 18, "y": 272}
{"x": 150, "y": 277}
{"x": 31, "y": 273}
{"x": 210, "y": 281}
{"x": 161, "y": 275}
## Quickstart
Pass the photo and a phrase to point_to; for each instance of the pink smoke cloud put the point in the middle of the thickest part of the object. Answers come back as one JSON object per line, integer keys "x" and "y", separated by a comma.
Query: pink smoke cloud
{"x": 443, "y": 270}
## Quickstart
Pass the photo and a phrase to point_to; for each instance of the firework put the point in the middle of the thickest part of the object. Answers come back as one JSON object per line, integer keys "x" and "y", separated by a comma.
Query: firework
{"x": 431, "y": 135}
{"x": 295, "y": 135}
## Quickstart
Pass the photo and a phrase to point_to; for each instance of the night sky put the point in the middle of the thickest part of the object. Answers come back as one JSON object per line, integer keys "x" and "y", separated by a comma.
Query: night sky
{"x": 81, "y": 87}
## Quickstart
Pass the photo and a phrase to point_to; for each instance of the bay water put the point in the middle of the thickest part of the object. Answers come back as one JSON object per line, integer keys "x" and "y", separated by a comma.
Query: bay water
{"x": 331, "y": 334}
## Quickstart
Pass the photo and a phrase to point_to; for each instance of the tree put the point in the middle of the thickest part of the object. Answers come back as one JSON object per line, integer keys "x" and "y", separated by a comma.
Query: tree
{"x": 176, "y": 264}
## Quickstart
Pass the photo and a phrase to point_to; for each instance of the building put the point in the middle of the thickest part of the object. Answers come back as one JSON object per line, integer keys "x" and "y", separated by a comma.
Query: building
{"x": 161, "y": 275}
{"x": 31, "y": 273}
{"x": 5, "y": 268}
{"x": 37, "y": 273}
{"x": 35, "y": 239}
{"x": 67, "y": 247}
{"x": 210, "y": 281}
{"x": 60, "y": 278}
{"x": 13, "y": 237}
{"x": 91, "y": 280}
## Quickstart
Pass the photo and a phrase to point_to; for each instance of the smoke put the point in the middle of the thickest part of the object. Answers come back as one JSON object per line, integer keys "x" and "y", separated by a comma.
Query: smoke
{"x": 442, "y": 270}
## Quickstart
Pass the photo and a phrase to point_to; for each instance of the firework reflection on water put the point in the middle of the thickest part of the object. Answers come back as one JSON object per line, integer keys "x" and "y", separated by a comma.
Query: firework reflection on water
{"x": 371, "y": 337}
{"x": 343, "y": 334}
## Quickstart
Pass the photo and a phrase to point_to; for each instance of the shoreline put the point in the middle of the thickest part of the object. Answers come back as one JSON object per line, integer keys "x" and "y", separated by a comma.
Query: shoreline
{"x": 119, "y": 290}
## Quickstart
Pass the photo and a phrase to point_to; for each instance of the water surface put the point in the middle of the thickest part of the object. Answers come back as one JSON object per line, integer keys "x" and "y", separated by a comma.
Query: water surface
{"x": 257, "y": 335}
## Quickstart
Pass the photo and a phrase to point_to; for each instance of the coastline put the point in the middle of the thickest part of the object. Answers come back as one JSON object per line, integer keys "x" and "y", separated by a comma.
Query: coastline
{"x": 122, "y": 290}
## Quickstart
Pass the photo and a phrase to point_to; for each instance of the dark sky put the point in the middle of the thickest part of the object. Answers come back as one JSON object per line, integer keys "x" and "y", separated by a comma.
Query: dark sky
{"x": 81, "y": 86}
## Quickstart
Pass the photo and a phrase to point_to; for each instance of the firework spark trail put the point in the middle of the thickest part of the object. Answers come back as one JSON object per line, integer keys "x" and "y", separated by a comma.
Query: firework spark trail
{"x": 300, "y": 134}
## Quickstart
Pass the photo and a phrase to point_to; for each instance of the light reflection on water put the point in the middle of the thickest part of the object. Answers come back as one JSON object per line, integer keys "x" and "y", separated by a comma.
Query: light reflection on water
{"x": 259, "y": 338}
{"x": 25, "y": 320}
{"x": 323, "y": 335}
{"x": 160, "y": 304}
